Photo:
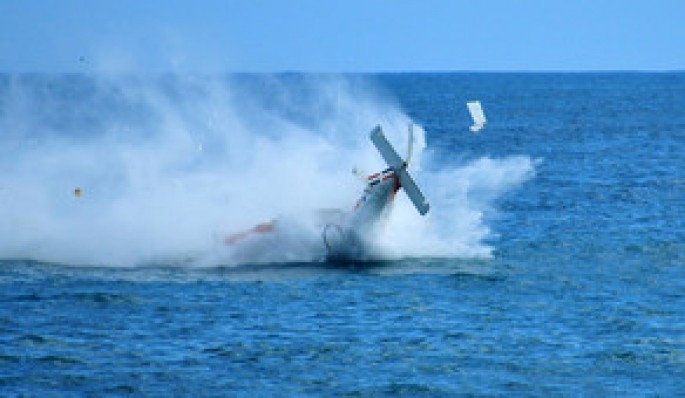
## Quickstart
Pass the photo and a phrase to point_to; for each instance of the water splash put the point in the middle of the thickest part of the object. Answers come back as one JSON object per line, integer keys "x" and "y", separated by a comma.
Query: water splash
{"x": 168, "y": 166}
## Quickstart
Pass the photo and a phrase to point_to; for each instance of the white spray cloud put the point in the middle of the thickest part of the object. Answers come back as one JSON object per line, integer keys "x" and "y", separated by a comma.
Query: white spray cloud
{"x": 168, "y": 167}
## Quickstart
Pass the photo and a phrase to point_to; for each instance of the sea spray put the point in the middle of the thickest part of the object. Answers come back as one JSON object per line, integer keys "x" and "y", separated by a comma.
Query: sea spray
{"x": 169, "y": 166}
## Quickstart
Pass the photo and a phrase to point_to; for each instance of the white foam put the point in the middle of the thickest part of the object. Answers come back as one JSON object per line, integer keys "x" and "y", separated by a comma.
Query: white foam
{"x": 150, "y": 196}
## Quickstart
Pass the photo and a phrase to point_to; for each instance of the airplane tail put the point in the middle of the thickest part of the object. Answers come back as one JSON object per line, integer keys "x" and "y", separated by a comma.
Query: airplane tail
{"x": 399, "y": 166}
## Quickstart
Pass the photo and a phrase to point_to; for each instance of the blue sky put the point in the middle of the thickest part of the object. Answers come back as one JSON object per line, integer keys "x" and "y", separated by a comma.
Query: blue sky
{"x": 340, "y": 36}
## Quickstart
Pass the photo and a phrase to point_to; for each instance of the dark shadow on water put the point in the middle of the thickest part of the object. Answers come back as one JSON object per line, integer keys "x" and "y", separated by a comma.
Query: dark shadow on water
{"x": 268, "y": 272}
{"x": 334, "y": 269}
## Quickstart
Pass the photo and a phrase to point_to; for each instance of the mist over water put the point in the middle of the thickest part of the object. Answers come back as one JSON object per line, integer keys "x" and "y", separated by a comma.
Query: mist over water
{"x": 170, "y": 165}
{"x": 560, "y": 277}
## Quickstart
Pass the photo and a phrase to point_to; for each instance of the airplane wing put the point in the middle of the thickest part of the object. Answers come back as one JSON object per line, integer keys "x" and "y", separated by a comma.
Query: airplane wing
{"x": 413, "y": 191}
{"x": 400, "y": 168}
{"x": 387, "y": 151}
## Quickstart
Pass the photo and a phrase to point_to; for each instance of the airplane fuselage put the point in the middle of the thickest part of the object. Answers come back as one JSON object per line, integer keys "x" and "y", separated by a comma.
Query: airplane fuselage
{"x": 351, "y": 239}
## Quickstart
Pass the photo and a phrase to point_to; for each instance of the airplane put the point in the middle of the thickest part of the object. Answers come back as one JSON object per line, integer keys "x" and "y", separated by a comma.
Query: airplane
{"x": 348, "y": 235}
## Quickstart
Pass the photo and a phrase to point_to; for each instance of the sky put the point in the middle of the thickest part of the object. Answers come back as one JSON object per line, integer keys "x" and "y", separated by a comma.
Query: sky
{"x": 340, "y": 36}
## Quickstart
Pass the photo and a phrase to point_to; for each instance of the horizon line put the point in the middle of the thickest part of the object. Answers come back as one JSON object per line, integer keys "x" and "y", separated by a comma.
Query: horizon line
{"x": 331, "y": 72}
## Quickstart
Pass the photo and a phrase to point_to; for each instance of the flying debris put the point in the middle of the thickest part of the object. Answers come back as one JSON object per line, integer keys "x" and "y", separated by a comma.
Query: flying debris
{"x": 476, "y": 111}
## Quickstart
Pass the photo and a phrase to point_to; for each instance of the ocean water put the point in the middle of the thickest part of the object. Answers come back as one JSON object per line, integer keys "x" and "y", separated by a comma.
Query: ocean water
{"x": 552, "y": 261}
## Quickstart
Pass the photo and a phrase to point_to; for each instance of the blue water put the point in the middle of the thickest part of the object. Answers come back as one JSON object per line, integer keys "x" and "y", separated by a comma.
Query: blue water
{"x": 582, "y": 292}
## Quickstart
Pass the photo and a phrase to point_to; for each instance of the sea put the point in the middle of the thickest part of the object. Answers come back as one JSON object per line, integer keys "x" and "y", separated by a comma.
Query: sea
{"x": 551, "y": 263}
